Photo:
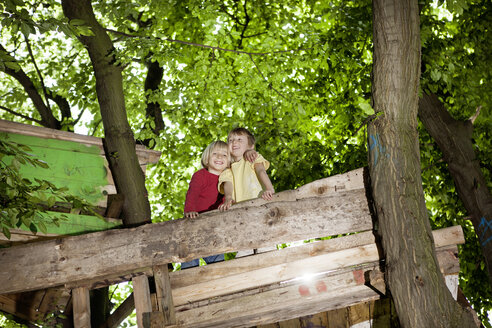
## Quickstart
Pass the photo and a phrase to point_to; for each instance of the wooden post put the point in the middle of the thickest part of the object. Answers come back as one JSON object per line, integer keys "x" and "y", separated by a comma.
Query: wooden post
{"x": 164, "y": 297}
{"x": 81, "y": 308}
{"x": 141, "y": 295}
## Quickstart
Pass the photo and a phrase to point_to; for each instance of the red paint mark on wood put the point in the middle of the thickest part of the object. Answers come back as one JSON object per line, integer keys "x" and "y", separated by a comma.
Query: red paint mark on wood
{"x": 321, "y": 287}
{"x": 304, "y": 290}
{"x": 359, "y": 277}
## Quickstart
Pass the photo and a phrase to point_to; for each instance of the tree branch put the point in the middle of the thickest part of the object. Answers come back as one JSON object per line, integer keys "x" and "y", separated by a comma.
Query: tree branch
{"x": 265, "y": 79}
{"x": 245, "y": 25}
{"x": 477, "y": 112}
{"x": 79, "y": 117}
{"x": 207, "y": 46}
{"x": 29, "y": 49}
{"x": 47, "y": 118}
{"x": 8, "y": 110}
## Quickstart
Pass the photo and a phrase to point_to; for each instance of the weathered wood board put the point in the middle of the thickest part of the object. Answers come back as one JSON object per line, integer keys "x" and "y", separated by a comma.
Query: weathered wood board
{"x": 295, "y": 298}
{"x": 101, "y": 254}
{"x": 33, "y": 306}
{"x": 228, "y": 277}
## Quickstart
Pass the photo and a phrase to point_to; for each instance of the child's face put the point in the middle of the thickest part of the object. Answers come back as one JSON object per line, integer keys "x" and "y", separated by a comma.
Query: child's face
{"x": 218, "y": 161}
{"x": 238, "y": 144}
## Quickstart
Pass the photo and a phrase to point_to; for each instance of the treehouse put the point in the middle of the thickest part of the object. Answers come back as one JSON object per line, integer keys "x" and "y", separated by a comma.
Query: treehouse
{"x": 335, "y": 282}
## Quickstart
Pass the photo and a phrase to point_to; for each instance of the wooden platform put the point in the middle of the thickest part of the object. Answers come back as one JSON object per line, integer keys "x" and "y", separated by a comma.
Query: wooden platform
{"x": 254, "y": 290}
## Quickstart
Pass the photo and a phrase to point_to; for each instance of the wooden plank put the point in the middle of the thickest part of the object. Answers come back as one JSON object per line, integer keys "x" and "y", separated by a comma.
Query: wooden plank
{"x": 292, "y": 323}
{"x": 293, "y": 299}
{"x": 329, "y": 186}
{"x": 113, "y": 279}
{"x": 115, "y": 205}
{"x": 101, "y": 254}
{"x": 276, "y": 305}
{"x": 315, "y": 320}
{"x": 146, "y": 156}
{"x": 286, "y": 264}
{"x": 10, "y": 304}
{"x": 442, "y": 237}
{"x": 338, "y": 318}
{"x": 359, "y": 313}
{"x": 277, "y": 273}
{"x": 141, "y": 294}
{"x": 165, "y": 302}
{"x": 81, "y": 308}
{"x": 153, "y": 319}
{"x": 228, "y": 268}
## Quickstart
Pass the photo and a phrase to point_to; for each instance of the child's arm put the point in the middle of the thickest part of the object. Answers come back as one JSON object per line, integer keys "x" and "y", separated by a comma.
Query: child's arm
{"x": 228, "y": 200}
{"x": 265, "y": 181}
{"x": 250, "y": 155}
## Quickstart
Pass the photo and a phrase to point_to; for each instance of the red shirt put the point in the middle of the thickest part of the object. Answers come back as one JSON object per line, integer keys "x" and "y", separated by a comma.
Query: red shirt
{"x": 203, "y": 194}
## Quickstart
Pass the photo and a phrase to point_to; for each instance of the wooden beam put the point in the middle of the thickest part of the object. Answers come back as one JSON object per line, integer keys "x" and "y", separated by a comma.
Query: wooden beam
{"x": 141, "y": 293}
{"x": 299, "y": 299}
{"x": 101, "y": 254}
{"x": 165, "y": 301}
{"x": 236, "y": 276}
{"x": 329, "y": 186}
{"x": 179, "y": 279}
{"x": 124, "y": 310}
{"x": 81, "y": 308}
{"x": 183, "y": 278}
{"x": 292, "y": 299}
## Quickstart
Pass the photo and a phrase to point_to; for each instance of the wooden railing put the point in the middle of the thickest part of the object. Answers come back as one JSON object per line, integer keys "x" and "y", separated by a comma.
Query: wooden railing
{"x": 264, "y": 288}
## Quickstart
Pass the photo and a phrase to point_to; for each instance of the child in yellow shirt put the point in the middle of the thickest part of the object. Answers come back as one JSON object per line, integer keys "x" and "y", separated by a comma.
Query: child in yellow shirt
{"x": 249, "y": 179}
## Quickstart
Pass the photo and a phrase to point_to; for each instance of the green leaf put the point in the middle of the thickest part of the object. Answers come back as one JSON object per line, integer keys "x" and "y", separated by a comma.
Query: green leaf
{"x": 33, "y": 228}
{"x": 77, "y": 22}
{"x": 42, "y": 227}
{"x": 6, "y": 232}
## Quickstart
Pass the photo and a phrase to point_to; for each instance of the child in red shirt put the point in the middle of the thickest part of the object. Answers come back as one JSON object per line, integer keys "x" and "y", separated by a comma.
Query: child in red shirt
{"x": 203, "y": 195}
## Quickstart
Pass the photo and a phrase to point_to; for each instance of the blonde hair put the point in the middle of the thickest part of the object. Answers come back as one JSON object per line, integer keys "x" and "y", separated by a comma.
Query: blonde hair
{"x": 210, "y": 148}
{"x": 242, "y": 132}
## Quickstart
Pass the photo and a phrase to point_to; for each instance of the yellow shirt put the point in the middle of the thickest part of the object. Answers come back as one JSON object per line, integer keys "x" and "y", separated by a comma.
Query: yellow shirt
{"x": 242, "y": 174}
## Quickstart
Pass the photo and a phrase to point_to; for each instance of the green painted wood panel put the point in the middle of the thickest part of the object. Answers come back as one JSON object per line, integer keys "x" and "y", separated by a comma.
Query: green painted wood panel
{"x": 77, "y": 224}
{"x": 78, "y": 167}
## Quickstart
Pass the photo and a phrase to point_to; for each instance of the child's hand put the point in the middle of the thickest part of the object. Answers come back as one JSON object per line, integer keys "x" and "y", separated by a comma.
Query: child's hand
{"x": 191, "y": 215}
{"x": 268, "y": 194}
{"x": 250, "y": 155}
{"x": 226, "y": 204}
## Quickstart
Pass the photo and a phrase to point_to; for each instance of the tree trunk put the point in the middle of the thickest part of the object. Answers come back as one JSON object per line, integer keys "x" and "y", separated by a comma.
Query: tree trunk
{"x": 152, "y": 81}
{"x": 119, "y": 140}
{"x": 454, "y": 138}
{"x": 412, "y": 273}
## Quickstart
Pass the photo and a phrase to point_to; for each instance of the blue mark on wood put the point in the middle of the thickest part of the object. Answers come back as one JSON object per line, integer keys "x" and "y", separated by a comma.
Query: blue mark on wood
{"x": 485, "y": 226}
{"x": 375, "y": 147}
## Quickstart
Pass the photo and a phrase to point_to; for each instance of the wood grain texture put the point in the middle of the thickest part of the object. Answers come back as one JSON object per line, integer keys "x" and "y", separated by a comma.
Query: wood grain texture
{"x": 141, "y": 294}
{"x": 81, "y": 308}
{"x": 101, "y": 254}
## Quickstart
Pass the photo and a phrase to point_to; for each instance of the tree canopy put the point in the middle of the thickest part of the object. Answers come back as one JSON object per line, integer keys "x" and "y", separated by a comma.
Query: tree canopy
{"x": 297, "y": 74}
